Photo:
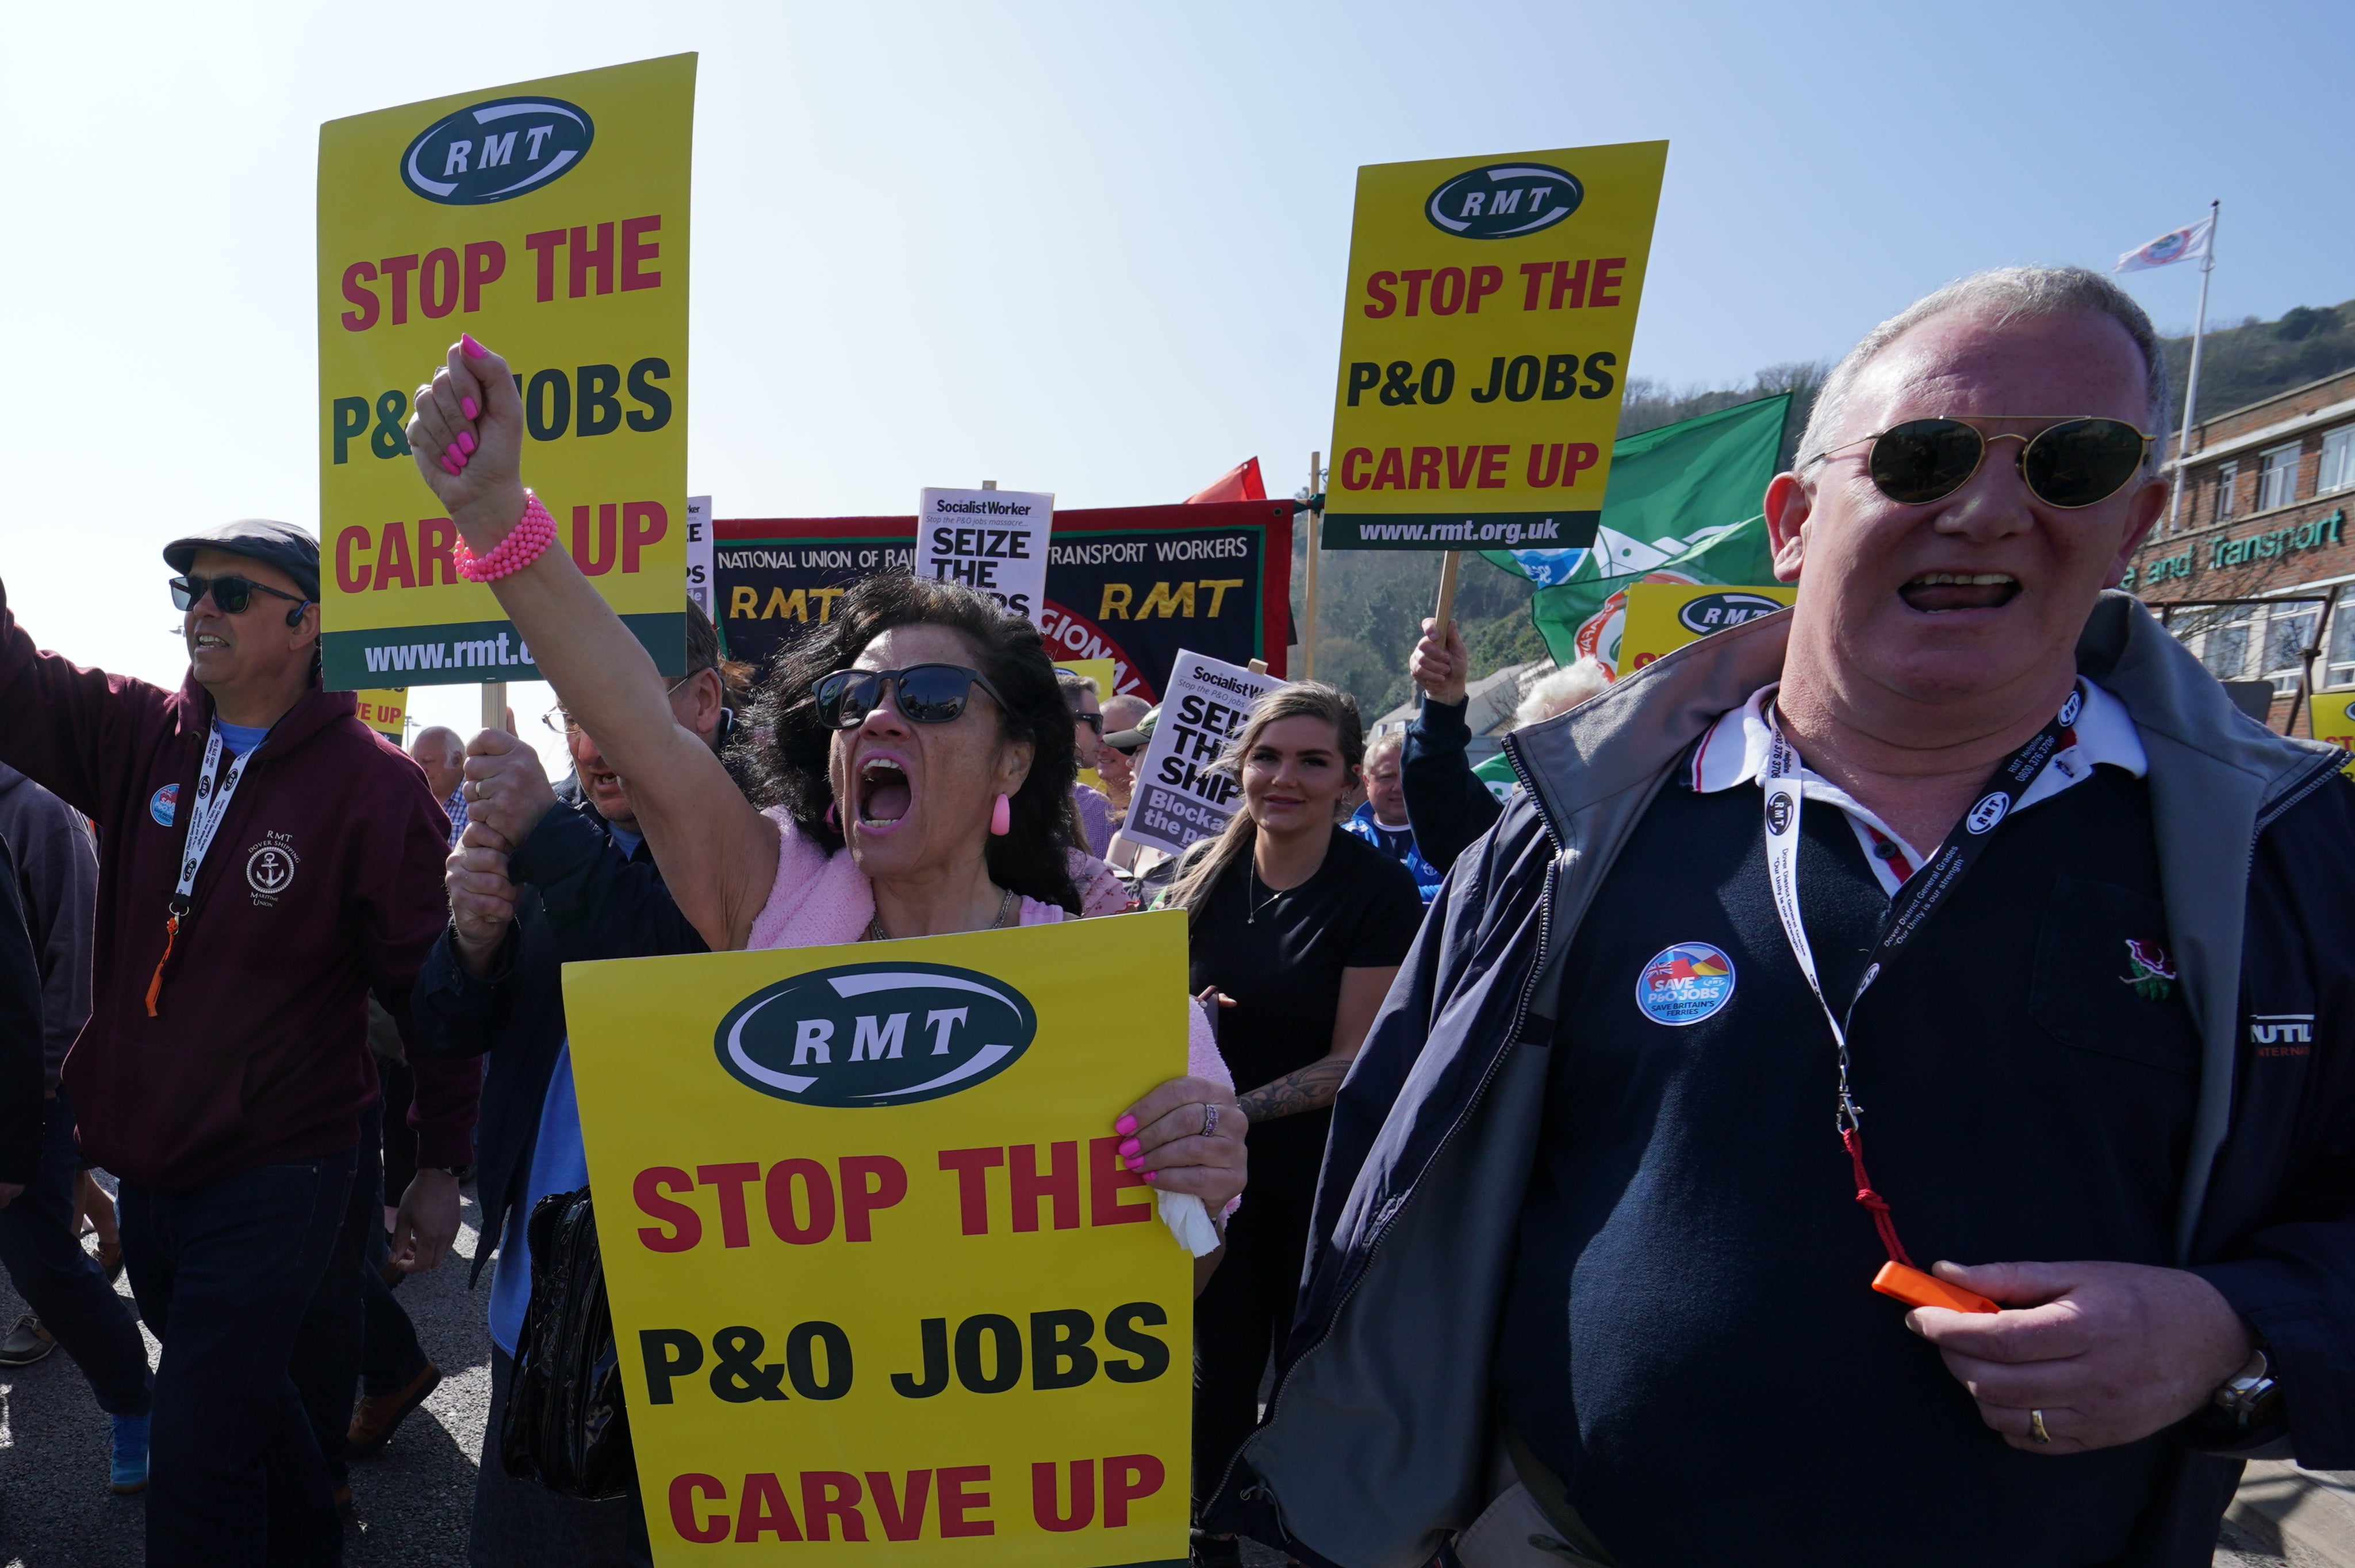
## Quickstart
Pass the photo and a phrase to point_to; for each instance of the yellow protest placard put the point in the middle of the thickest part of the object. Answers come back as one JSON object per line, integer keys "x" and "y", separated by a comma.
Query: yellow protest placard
{"x": 1663, "y": 617}
{"x": 1100, "y": 670}
{"x": 877, "y": 1275}
{"x": 1484, "y": 346}
{"x": 386, "y": 711}
{"x": 2331, "y": 716}
{"x": 548, "y": 219}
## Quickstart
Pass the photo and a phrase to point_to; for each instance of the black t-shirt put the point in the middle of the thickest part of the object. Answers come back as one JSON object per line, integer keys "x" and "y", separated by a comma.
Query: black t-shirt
{"x": 1690, "y": 1342}
{"x": 1281, "y": 962}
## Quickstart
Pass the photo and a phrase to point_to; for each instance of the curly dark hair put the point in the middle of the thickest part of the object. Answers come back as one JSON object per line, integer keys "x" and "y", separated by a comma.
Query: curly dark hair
{"x": 785, "y": 756}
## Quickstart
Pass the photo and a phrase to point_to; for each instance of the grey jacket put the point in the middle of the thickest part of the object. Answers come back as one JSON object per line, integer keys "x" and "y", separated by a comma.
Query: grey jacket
{"x": 57, "y": 879}
{"x": 1378, "y": 1442}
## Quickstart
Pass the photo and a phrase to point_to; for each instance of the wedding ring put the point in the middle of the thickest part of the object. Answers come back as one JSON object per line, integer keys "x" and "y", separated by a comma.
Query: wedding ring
{"x": 1209, "y": 1121}
{"x": 2036, "y": 1433}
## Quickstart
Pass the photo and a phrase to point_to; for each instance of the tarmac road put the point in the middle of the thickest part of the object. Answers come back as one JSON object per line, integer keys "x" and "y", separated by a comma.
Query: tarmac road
{"x": 409, "y": 1506}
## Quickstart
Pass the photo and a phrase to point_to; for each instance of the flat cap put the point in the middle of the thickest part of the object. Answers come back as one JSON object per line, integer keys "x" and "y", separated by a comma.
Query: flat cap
{"x": 282, "y": 545}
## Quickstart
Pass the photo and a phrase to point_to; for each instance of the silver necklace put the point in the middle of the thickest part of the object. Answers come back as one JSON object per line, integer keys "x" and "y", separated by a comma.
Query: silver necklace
{"x": 1006, "y": 908}
{"x": 1250, "y": 892}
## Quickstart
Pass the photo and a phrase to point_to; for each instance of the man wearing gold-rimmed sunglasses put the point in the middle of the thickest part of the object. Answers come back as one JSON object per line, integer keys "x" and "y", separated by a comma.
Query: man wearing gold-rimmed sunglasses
{"x": 1963, "y": 853}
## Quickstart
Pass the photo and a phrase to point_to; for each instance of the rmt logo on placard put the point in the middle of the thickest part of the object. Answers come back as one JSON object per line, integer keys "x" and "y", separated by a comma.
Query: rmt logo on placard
{"x": 497, "y": 151}
{"x": 875, "y": 1035}
{"x": 1716, "y": 611}
{"x": 1504, "y": 201}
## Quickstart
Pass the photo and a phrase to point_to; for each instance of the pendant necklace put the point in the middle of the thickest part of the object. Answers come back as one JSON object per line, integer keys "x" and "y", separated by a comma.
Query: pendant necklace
{"x": 1006, "y": 910}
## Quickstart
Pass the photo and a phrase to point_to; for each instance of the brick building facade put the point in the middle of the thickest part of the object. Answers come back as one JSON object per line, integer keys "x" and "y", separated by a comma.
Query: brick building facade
{"x": 2266, "y": 497}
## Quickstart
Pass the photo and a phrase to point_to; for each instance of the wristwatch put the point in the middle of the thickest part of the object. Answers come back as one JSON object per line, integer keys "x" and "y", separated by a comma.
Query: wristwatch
{"x": 2251, "y": 1398}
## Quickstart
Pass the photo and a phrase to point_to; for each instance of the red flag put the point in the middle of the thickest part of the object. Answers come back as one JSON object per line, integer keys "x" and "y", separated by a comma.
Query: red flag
{"x": 1241, "y": 483}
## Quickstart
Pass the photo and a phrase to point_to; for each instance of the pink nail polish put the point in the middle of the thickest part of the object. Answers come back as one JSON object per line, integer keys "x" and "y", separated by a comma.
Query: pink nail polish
{"x": 1149, "y": 1175}
{"x": 473, "y": 350}
{"x": 1131, "y": 1149}
{"x": 1125, "y": 1125}
{"x": 447, "y": 466}
{"x": 459, "y": 457}
{"x": 465, "y": 440}
{"x": 467, "y": 407}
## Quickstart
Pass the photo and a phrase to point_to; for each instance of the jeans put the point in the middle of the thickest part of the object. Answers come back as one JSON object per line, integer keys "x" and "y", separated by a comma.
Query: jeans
{"x": 230, "y": 1275}
{"x": 391, "y": 1357}
{"x": 62, "y": 1284}
{"x": 355, "y": 1336}
{"x": 522, "y": 1524}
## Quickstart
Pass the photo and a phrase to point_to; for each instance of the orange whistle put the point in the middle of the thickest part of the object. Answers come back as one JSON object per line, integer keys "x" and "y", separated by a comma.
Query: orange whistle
{"x": 1916, "y": 1288}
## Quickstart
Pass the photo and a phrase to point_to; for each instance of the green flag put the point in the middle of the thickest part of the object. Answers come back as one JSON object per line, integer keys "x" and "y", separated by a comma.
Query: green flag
{"x": 1682, "y": 508}
{"x": 1497, "y": 773}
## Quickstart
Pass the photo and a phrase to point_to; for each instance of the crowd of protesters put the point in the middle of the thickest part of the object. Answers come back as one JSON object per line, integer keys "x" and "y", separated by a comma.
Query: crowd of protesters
{"x": 1539, "y": 1222}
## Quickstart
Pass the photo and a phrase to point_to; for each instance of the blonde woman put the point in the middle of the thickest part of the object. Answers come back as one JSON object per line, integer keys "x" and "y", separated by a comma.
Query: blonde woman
{"x": 1298, "y": 926}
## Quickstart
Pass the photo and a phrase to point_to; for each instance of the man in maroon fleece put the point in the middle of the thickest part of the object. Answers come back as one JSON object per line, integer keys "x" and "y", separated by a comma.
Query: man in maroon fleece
{"x": 266, "y": 862}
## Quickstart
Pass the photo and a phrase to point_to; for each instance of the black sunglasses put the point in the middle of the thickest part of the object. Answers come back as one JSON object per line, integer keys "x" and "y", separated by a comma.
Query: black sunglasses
{"x": 929, "y": 694}
{"x": 230, "y": 594}
{"x": 2072, "y": 464}
{"x": 1093, "y": 721}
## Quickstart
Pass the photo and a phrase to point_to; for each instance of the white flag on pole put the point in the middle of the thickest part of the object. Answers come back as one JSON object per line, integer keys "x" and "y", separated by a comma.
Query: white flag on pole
{"x": 2175, "y": 245}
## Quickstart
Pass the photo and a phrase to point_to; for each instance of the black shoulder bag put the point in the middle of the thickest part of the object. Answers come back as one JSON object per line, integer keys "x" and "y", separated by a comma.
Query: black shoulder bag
{"x": 565, "y": 1426}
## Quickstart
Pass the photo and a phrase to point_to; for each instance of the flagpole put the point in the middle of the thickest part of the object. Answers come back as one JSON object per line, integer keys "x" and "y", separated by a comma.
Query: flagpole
{"x": 2191, "y": 382}
{"x": 1315, "y": 520}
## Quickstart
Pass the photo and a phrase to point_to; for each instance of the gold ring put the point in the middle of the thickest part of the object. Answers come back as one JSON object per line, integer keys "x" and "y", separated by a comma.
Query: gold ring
{"x": 2036, "y": 1433}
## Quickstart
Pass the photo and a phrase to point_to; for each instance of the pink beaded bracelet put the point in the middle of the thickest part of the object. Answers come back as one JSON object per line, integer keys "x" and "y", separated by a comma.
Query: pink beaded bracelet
{"x": 532, "y": 534}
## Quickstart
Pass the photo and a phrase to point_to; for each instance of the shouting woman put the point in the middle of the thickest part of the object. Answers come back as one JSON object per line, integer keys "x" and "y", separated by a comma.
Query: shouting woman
{"x": 920, "y": 768}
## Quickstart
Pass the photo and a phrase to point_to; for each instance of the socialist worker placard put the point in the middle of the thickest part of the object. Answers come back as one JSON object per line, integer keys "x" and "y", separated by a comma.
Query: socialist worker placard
{"x": 1484, "y": 346}
{"x": 550, "y": 220}
{"x": 880, "y": 1278}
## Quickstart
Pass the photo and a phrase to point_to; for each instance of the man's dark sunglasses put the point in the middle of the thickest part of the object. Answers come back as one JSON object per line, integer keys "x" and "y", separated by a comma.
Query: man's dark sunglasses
{"x": 230, "y": 594}
{"x": 929, "y": 694}
{"x": 1093, "y": 721}
{"x": 2073, "y": 463}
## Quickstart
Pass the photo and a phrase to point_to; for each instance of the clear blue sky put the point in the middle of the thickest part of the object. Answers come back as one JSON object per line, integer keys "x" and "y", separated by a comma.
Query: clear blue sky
{"x": 1172, "y": 187}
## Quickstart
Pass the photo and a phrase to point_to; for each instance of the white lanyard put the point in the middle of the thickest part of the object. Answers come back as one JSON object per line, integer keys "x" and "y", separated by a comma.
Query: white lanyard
{"x": 205, "y": 818}
{"x": 1923, "y": 892}
{"x": 205, "y": 815}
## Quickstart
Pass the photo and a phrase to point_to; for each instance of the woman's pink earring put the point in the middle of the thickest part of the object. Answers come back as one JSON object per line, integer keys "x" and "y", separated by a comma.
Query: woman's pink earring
{"x": 1001, "y": 817}
{"x": 829, "y": 817}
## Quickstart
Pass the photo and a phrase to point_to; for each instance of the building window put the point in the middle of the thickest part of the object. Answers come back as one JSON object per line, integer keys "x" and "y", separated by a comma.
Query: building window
{"x": 2277, "y": 476}
{"x": 2339, "y": 671}
{"x": 2228, "y": 477}
{"x": 2287, "y": 632}
{"x": 2338, "y": 459}
{"x": 2226, "y": 651}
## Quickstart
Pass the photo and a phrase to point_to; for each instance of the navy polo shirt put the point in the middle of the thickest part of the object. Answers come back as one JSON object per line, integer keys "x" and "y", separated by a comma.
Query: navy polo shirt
{"x": 1690, "y": 1342}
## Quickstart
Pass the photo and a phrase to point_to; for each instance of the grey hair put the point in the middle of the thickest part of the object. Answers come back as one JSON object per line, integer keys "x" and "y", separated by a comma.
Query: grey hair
{"x": 1388, "y": 743}
{"x": 2006, "y": 293}
{"x": 1559, "y": 691}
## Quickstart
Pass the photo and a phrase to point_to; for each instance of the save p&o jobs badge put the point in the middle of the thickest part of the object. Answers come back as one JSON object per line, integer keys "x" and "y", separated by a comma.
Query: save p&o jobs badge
{"x": 1685, "y": 983}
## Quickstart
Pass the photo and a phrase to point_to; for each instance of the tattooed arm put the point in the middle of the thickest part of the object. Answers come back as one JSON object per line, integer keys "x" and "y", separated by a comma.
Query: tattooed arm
{"x": 1313, "y": 1087}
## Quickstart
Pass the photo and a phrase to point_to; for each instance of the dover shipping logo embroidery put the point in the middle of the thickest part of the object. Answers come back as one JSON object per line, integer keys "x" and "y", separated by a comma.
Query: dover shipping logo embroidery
{"x": 1685, "y": 984}
{"x": 497, "y": 151}
{"x": 875, "y": 1035}
{"x": 270, "y": 867}
{"x": 163, "y": 805}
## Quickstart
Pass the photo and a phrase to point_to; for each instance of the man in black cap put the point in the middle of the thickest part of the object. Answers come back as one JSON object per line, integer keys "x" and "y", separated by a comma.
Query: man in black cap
{"x": 268, "y": 863}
